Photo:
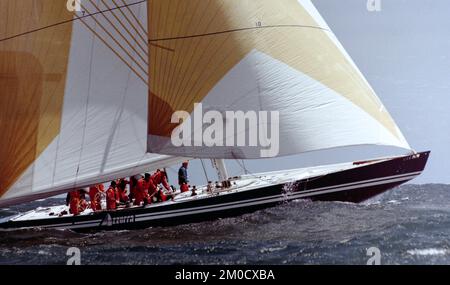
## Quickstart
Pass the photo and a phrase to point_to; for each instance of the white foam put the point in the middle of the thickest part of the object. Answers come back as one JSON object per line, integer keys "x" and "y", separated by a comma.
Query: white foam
{"x": 429, "y": 251}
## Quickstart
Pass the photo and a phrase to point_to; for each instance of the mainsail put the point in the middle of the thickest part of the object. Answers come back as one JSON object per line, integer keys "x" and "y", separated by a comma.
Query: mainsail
{"x": 259, "y": 55}
{"x": 73, "y": 96}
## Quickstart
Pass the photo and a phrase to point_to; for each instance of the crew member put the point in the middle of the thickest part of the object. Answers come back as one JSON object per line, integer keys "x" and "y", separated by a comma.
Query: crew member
{"x": 121, "y": 187}
{"x": 133, "y": 188}
{"x": 209, "y": 188}
{"x": 194, "y": 193}
{"x": 95, "y": 197}
{"x": 74, "y": 200}
{"x": 183, "y": 180}
{"x": 141, "y": 192}
{"x": 160, "y": 177}
{"x": 83, "y": 204}
{"x": 111, "y": 197}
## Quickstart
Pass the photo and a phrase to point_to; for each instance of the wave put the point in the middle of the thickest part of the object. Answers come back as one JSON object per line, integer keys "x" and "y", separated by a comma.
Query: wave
{"x": 429, "y": 252}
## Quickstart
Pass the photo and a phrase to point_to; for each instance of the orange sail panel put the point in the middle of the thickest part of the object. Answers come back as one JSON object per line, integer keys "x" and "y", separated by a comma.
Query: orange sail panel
{"x": 33, "y": 69}
{"x": 198, "y": 48}
{"x": 73, "y": 104}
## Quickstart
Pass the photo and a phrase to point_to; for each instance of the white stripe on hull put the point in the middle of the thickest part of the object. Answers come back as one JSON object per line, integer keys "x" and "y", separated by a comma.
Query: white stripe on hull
{"x": 303, "y": 194}
{"x": 255, "y": 202}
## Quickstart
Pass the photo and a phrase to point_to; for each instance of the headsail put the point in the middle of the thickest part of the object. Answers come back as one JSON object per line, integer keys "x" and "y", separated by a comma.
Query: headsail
{"x": 72, "y": 98}
{"x": 259, "y": 55}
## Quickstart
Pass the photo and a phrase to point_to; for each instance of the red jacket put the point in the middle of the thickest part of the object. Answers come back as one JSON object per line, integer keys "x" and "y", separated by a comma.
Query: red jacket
{"x": 133, "y": 188}
{"x": 82, "y": 206}
{"x": 94, "y": 195}
{"x": 141, "y": 191}
{"x": 111, "y": 201}
{"x": 160, "y": 178}
{"x": 121, "y": 187}
{"x": 74, "y": 201}
{"x": 142, "y": 187}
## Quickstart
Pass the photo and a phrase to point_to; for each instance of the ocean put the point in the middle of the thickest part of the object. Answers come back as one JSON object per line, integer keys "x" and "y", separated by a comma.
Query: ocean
{"x": 408, "y": 225}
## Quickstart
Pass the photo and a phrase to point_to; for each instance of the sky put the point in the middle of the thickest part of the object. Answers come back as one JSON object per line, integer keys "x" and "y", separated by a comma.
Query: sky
{"x": 404, "y": 52}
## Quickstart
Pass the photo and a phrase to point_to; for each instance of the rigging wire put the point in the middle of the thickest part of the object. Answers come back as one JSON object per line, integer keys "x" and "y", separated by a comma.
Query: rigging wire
{"x": 87, "y": 14}
{"x": 116, "y": 42}
{"x": 237, "y": 30}
{"x": 245, "y": 168}
{"x": 145, "y": 50}
{"x": 119, "y": 32}
{"x": 71, "y": 20}
{"x": 204, "y": 169}
{"x": 269, "y": 181}
{"x": 129, "y": 21}
{"x": 116, "y": 53}
{"x": 255, "y": 176}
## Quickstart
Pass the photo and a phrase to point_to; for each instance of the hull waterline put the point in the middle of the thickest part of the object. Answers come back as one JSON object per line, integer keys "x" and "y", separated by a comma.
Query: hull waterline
{"x": 356, "y": 184}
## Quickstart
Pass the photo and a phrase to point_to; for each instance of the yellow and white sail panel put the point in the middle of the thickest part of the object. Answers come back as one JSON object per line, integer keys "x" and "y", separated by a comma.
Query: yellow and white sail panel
{"x": 259, "y": 55}
{"x": 72, "y": 96}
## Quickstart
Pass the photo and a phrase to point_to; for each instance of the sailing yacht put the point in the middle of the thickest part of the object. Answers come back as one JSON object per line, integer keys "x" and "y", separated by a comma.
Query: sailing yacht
{"x": 88, "y": 94}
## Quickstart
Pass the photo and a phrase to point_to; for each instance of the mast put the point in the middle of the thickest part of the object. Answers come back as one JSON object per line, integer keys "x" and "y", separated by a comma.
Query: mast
{"x": 219, "y": 165}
